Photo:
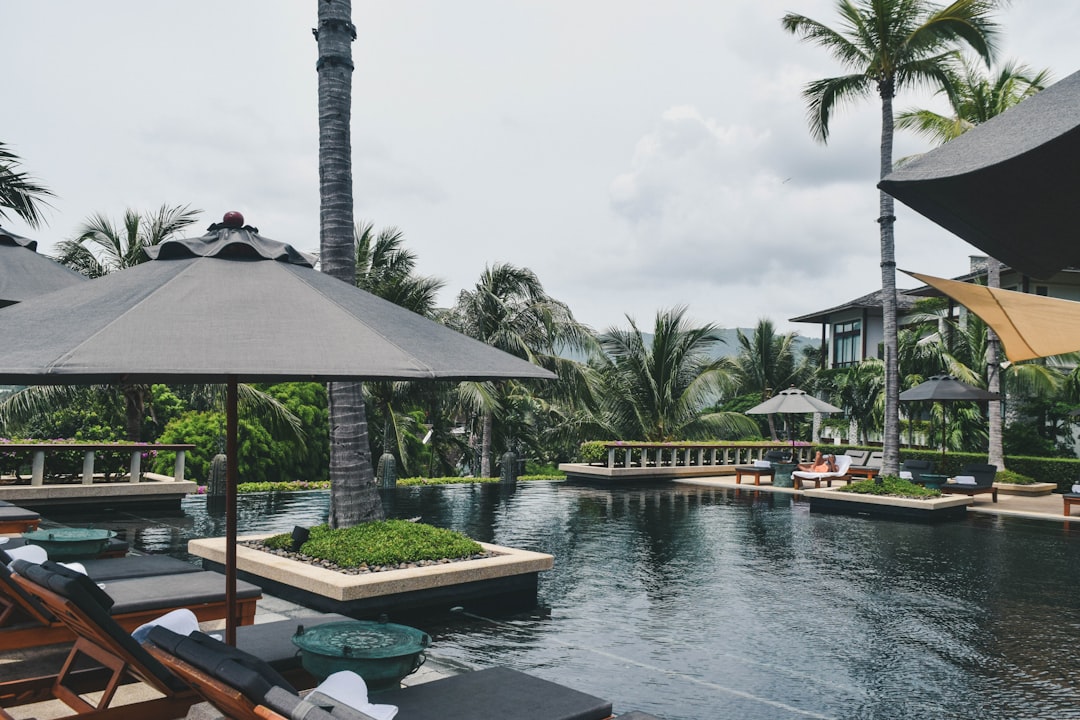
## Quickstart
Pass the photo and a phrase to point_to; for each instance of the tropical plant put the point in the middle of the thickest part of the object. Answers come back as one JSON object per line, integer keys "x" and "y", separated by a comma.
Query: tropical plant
{"x": 509, "y": 309}
{"x": 859, "y": 390}
{"x": 101, "y": 247}
{"x": 19, "y": 192}
{"x": 354, "y": 497}
{"x": 890, "y": 45}
{"x": 765, "y": 364}
{"x": 384, "y": 267}
{"x": 660, "y": 390}
{"x": 976, "y": 97}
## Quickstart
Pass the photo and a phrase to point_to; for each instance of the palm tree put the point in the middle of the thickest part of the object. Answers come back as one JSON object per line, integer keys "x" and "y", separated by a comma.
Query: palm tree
{"x": 19, "y": 192}
{"x": 765, "y": 364}
{"x": 384, "y": 267}
{"x": 100, "y": 246}
{"x": 508, "y": 308}
{"x": 975, "y": 98}
{"x": 889, "y": 45}
{"x": 858, "y": 389}
{"x": 354, "y": 497}
{"x": 660, "y": 390}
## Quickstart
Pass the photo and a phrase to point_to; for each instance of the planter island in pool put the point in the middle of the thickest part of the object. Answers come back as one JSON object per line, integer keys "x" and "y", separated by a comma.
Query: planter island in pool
{"x": 947, "y": 507}
{"x": 507, "y": 580}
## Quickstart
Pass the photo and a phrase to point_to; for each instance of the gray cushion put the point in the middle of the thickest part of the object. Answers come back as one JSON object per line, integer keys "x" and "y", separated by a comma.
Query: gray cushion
{"x": 272, "y": 641}
{"x": 494, "y": 694}
{"x": 135, "y": 566}
{"x": 13, "y": 512}
{"x": 169, "y": 591}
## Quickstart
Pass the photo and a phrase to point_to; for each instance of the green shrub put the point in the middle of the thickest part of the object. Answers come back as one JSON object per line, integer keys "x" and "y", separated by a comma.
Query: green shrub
{"x": 890, "y": 485}
{"x": 1011, "y": 476}
{"x": 387, "y": 542}
{"x": 279, "y": 542}
{"x": 290, "y": 486}
{"x": 592, "y": 451}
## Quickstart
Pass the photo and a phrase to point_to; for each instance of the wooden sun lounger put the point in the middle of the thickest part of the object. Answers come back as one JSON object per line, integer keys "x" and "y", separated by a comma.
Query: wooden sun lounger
{"x": 124, "y": 660}
{"x": 14, "y": 519}
{"x": 494, "y": 693}
{"x": 24, "y": 622}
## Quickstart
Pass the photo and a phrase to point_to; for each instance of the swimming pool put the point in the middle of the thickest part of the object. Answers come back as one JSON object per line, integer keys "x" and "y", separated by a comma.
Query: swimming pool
{"x": 699, "y": 604}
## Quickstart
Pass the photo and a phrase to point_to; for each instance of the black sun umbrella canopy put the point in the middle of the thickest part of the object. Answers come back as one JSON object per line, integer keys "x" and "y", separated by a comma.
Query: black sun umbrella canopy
{"x": 945, "y": 388}
{"x": 232, "y": 306}
{"x": 1008, "y": 186}
{"x": 25, "y": 274}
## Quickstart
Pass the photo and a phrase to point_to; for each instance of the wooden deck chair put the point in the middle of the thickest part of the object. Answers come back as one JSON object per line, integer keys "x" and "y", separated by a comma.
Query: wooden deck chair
{"x": 14, "y": 519}
{"x": 78, "y": 604}
{"x": 242, "y": 690}
{"x": 25, "y": 623}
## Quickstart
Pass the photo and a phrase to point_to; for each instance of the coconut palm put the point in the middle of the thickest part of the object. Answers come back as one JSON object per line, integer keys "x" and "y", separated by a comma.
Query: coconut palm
{"x": 19, "y": 192}
{"x": 508, "y": 308}
{"x": 976, "y": 97}
{"x": 101, "y": 247}
{"x": 765, "y": 364}
{"x": 384, "y": 267}
{"x": 353, "y": 496}
{"x": 890, "y": 45}
{"x": 659, "y": 390}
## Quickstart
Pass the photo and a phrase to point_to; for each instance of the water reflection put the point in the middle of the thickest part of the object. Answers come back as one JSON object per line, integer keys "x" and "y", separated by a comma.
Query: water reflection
{"x": 696, "y": 603}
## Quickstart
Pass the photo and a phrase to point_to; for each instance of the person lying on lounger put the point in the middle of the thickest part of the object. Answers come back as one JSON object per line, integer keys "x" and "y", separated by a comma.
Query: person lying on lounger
{"x": 820, "y": 464}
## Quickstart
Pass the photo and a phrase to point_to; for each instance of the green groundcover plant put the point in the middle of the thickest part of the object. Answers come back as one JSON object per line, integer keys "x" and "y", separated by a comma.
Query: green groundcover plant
{"x": 384, "y": 542}
{"x": 890, "y": 485}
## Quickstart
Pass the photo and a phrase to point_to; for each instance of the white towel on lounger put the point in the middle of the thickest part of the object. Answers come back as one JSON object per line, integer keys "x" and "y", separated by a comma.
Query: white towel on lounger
{"x": 964, "y": 480}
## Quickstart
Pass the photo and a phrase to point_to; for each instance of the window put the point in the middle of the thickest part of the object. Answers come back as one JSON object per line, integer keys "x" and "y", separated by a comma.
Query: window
{"x": 846, "y": 342}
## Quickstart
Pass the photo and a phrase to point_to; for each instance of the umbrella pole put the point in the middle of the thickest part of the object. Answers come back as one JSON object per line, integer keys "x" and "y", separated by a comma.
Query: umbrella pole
{"x": 231, "y": 478}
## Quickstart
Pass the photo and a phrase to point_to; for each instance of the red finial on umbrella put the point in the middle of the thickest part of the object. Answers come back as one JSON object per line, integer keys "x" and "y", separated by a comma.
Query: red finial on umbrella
{"x": 233, "y": 219}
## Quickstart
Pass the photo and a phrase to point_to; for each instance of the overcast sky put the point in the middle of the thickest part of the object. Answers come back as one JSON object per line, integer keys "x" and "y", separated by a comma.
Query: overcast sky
{"x": 636, "y": 154}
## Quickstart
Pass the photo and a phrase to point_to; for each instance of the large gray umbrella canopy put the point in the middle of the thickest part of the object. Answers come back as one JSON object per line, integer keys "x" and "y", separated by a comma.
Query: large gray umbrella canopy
{"x": 232, "y": 306}
{"x": 792, "y": 401}
{"x": 1008, "y": 186}
{"x": 945, "y": 388}
{"x": 940, "y": 388}
{"x": 25, "y": 274}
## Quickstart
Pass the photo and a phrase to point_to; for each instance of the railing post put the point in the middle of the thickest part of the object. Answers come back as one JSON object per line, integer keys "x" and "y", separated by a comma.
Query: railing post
{"x": 701, "y": 457}
{"x": 88, "y": 468}
{"x": 178, "y": 471}
{"x": 712, "y": 457}
{"x": 136, "y": 465}
{"x": 686, "y": 457}
{"x": 627, "y": 458}
{"x": 37, "y": 468}
{"x": 611, "y": 457}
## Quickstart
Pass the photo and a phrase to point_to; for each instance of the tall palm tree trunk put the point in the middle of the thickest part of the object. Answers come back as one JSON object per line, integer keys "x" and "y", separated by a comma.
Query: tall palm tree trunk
{"x": 354, "y": 497}
{"x": 890, "y": 463}
{"x": 995, "y": 408}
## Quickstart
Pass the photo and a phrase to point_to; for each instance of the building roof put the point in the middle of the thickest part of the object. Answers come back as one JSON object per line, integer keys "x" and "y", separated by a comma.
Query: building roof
{"x": 871, "y": 301}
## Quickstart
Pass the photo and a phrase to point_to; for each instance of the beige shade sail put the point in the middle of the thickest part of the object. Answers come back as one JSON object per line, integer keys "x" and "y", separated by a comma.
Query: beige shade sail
{"x": 1029, "y": 326}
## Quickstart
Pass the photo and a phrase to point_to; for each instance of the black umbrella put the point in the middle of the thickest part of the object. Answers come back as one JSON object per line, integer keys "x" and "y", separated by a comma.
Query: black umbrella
{"x": 945, "y": 388}
{"x": 1008, "y": 186}
{"x": 228, "y": 307}
{"x": 25, "y": 274}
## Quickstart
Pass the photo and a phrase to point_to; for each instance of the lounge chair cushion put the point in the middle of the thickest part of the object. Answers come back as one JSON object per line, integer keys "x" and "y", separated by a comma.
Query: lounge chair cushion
{"x": 273, "y": 643}
{"x": 14, "y": 512}
{"x": 136, "y": 566}
{"x": 494, "y": 694}
{"x": 239, "y": 669}
{"x": 166, "y": 591}
{"x": 74, "y": 589}
{"x": 64, "y": 580}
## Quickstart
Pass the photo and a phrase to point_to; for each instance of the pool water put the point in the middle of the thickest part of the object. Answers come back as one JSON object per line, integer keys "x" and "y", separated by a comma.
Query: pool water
{"x": 700, "y": 604}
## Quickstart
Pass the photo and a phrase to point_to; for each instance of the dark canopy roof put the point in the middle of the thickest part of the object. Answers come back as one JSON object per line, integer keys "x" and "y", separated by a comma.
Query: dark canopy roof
{"x": 25, "y": 274}
{"x": 1008, "y": 186}
{"x": 216, "y": 307}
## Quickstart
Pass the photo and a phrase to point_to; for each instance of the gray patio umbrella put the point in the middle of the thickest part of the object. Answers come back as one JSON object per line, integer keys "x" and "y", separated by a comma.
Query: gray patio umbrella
{"x": 1008, "y": 186}
{"x": 945, "y": 388}
{"x": 25, "y": 274}
{"x": 228, "y": 307}
{"x": 792, "y": 401}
